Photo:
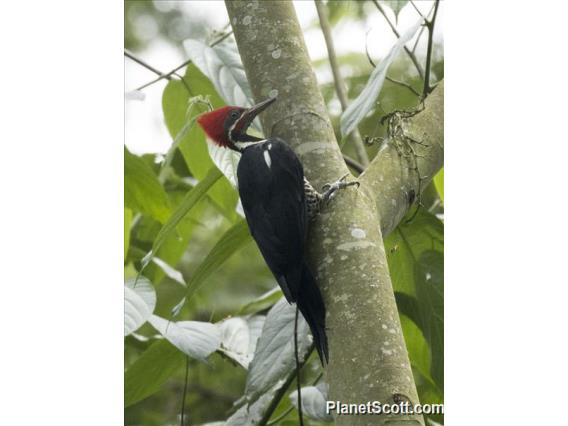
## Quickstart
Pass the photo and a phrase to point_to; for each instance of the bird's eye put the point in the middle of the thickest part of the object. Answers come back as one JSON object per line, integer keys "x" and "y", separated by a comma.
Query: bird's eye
{"x": 234, "y": 114}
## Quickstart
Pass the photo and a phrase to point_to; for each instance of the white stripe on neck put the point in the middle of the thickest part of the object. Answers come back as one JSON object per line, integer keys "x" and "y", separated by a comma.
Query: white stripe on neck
{"x": 243, "y": 145}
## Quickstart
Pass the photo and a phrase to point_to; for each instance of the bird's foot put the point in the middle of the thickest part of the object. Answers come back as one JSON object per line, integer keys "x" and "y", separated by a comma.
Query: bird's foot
{"x": 329, "y": 189}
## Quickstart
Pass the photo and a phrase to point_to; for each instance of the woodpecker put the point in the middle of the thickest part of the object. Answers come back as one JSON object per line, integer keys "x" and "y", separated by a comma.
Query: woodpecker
{"x": 278, "y": 202}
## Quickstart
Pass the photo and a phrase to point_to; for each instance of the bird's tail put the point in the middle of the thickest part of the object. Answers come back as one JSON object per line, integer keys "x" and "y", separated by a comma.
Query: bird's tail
{"x": 310, "y": 303}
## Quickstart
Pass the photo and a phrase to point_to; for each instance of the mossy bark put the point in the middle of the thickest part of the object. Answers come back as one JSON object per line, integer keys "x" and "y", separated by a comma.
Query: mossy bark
{"x": 368, "y": 356}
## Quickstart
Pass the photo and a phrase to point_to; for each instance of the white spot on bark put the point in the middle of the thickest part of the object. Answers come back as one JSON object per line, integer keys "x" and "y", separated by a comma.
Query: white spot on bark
{"x": 358, "y": 233}
{"x": 273, "y": 93}
{"x": 393, "y": 201}
{"x": 392, "y": 331}
{"x": 428, "y": 276}
{"x": 276, "y": 53}
{"x": 384, "y": 326}
{"x": 247, "y": 20}
{"x": 386, "y": 351}
{"x": 343, "y": 257}
{"x": 267, "y": 158}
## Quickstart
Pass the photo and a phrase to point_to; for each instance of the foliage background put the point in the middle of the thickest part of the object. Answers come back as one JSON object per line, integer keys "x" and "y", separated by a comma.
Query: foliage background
{"x": 153, "y": 192}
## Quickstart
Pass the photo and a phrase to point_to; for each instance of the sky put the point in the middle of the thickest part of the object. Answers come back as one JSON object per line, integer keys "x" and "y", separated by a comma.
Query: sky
{"x": 145, "y": 131}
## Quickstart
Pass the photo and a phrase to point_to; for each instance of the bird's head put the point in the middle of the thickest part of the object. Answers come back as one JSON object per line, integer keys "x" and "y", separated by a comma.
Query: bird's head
{"x": 227, "y": 126}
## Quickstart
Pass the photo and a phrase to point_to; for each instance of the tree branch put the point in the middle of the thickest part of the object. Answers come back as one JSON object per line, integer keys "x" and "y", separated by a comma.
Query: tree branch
{"x": 389, "y": 175}
{"x": 345, "y": 247}
{"x": 394, "y": 30}
{"x": 355, "y": 136}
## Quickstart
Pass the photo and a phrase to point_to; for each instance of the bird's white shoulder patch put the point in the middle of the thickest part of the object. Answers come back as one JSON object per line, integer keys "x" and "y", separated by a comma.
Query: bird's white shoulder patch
{"x": 267, "y": 158}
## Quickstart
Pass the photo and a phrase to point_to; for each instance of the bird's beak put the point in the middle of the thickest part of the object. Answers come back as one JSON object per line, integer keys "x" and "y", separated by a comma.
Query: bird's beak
{"x": 250, "y": 114}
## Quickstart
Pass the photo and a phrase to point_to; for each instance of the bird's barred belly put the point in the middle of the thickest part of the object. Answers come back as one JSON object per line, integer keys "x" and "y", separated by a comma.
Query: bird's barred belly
{"x": 313, "y": 200}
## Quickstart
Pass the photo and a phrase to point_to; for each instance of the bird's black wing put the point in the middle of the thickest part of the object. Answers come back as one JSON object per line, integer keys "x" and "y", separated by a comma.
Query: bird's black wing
{"x": 271, "y": 186}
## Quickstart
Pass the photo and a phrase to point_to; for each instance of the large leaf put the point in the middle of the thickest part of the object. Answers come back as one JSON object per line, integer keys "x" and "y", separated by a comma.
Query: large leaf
{"x": 194, "y": 338}
{"x": 226, "y": 160}
{"x": 139, "y": 303}
{"x": 188, "y": 202}
{"x": 233, "y": 240}
{"x": 417, "y": 347}
{"x": 222, "y": 65}
{"x": 415, "y": 257}
{"x": 142, "y": 190}
{"x": 239, "y": 337}
{"x": 274, "y": 355}
{"x": 314, "y": 401}
{"x": 190, "y": 138}
{"x": 250, "y": 415}
{"x": 154, "y": 367}
{"x": 429, "y": 271}
{"x": 366, "y": 100}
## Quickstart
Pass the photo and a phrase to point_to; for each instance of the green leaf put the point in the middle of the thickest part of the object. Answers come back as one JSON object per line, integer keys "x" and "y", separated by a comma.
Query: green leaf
{"x": 365, "y": 102}
{"x": 188, "y": 202}
{"x": 396, "y": 6}
{"x": 196, "y": 339}
{"x": 429, "y": 272}
{"x": 415, "y": 257}
{"x": 139, "y": 303}
{"x": 262, "y": 302}
{"x": 274, "y": 355}
{"x": 239, "y": 337}
{"x": 191, "y": 139}
{"x": 154, "y": 367}
{"x": 222, "y": 65}
{"x": 439, "y": 184}
{"x": 127, "y": 223}
{"x": 233, "y": 240}
{"x": 417, "y": 347}
{"x": 142, "y": 190}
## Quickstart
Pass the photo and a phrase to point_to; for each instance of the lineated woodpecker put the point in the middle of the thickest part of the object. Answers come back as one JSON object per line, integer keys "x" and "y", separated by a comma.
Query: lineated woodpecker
{"x": 278, "y": 202}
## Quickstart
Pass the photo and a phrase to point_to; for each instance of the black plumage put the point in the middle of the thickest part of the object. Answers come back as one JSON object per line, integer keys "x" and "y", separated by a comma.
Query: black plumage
{"x": 271, "y": 186}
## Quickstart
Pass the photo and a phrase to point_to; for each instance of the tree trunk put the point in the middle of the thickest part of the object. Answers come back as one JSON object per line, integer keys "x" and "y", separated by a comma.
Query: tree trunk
{"x": 368, "y": 356}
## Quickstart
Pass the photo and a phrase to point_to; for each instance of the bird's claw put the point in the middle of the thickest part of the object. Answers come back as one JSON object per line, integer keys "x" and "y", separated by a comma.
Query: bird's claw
{"x": 329, "y": 189}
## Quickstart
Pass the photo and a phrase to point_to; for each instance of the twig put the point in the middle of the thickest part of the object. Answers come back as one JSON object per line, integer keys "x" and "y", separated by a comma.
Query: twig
{"x": 355, "y": 136}
{"x": 421, "y": 29}
{"x": 298, "y": 368}
{"x": 417, "y": 10}
{"x": 185, "y": 63}
{"x": 154, "y": 70}
{"x": 130, "y": 55}
{"x": 430, "y": 24}
{"x": 393, "y": 28}
{"x": 392, "y": 80}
